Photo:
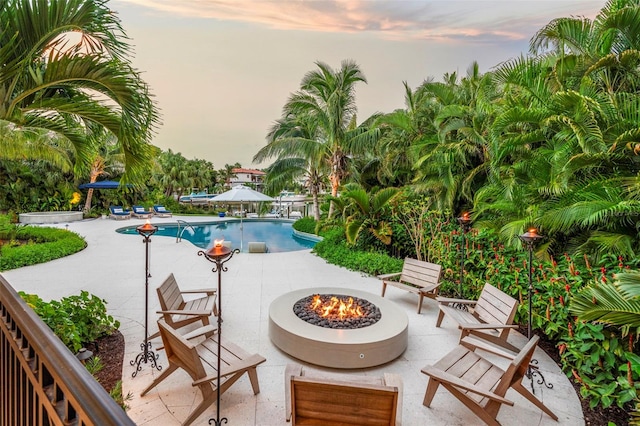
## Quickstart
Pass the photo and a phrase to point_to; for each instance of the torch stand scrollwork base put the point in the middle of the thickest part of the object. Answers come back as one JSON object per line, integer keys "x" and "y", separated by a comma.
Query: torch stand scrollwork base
{"x": 534, "y": 371}
{"x": 147, "y": 355}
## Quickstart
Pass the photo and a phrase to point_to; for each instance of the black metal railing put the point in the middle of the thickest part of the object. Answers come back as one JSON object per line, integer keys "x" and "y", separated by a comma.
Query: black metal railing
{"x": 41, "y": 381}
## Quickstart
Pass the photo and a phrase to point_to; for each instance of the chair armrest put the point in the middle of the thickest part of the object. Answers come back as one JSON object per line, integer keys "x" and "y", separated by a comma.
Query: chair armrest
{"x": 201, "y": 331}
{"x": 474, "y": 343}
{"x": 244, "y": 364}
{"x": 395, "y": 380}
{"x": 290, "y": 370}
{"x": 450, "y": 300}
{"x": 429, "y": 288}
{"x": 387, "y": 276}
{"x": 472, "y": 326}
{"x": 443, "y": 376}
{"x": 209, "y": 291}
{"x": 477, "y": 343}
{"x": 179, "y": 312}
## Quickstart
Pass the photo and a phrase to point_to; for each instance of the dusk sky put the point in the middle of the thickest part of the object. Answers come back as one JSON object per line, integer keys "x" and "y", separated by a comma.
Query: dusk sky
{"x": 221, "y": 70}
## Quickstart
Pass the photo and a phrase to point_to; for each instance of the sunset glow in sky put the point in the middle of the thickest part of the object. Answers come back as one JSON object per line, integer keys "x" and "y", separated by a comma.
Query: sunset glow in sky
{"x": 221, "y": 70}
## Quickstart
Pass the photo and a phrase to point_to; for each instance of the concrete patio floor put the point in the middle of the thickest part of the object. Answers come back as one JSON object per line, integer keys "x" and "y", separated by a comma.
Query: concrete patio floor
{"x": 112, "y": 267}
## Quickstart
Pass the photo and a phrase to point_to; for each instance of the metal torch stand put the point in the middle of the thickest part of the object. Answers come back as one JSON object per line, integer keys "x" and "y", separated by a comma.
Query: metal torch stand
{"x": 147, "y": 355}
{"x": 465, "y": 224}
{"x": 532, "y": 369}
{"x": 218, "y": 266}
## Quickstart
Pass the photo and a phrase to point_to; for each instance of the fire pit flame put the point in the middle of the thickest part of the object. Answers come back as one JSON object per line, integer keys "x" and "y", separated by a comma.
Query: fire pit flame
{"x": 337, "y": 311}
{"x": 336, "y": 307}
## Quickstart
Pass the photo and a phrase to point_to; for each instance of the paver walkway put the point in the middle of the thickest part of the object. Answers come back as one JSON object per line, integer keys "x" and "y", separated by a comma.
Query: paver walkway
{"x": 112, "y": 267}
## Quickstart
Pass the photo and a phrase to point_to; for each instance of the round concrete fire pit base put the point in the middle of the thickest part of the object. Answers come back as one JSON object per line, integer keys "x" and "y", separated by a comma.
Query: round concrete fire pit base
{"x": 365, "y": 347}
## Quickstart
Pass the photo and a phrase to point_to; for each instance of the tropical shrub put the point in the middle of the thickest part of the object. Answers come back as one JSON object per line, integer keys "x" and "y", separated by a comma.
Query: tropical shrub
{"x": 76, "y": 320}
{"x": 31, "y": 245}
{"x": 35, "y": 186}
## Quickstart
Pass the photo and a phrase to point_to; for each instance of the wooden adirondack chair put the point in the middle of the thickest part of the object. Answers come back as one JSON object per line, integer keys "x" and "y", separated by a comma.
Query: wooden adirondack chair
{"x": 200, "y": 362}
{"x": 417, "y": 276}
{"x": 177, "y": 312}
{"x": 321, "y": 398}
{"x": 490, "y": 317}
{"x": 479, "y": 384}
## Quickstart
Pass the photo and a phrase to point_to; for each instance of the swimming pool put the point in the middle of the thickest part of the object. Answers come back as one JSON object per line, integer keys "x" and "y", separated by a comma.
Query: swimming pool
{"x": 277, "y": 234}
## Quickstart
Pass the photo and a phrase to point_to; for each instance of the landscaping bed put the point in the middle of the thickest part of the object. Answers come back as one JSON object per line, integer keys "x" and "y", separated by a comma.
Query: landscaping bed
{"x": 110, "y": 349}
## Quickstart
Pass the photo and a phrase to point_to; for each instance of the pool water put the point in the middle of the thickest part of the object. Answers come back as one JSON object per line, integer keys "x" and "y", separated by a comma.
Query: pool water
{"x": 277, "y": 234}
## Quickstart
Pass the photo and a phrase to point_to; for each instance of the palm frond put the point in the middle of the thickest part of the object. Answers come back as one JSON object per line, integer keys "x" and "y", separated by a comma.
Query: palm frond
{"x": 605, "y": 303}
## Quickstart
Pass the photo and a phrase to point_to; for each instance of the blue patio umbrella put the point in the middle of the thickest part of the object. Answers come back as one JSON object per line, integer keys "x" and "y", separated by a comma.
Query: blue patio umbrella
{"x": 104, "y": 184}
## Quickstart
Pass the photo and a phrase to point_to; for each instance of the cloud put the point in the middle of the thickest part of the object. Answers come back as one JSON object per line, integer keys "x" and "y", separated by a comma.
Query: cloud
{"x": 445, "y": 21}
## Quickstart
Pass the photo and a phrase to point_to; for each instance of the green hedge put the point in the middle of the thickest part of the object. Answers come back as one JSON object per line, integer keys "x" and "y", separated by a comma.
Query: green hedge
{"x": 306, "y": 224}
{"x": 334, "y": 250}
{"x": 34, "y": 245}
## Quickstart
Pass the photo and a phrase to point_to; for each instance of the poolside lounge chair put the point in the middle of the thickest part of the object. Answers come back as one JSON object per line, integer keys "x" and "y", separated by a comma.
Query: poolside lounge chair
{"x": 160, "y": 211}
{"x": 140, "y": 212}
{"x": 257, "y": 247}
{"x": 273, "y": 214}
{"x": 117, "y": 212}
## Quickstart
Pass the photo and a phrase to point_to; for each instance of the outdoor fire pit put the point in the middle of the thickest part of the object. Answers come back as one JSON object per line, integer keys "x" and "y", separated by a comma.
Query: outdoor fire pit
{"x": 376, "y": 336}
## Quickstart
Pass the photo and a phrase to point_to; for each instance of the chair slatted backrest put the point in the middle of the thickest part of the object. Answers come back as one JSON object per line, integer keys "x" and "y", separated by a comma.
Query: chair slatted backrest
{"x": 180, "y": 351}
{"x": 420, "y": 273}
{"x": 169, "y": 294}
{"x": 334, "y": 402}
{"x": 495, "y": 306}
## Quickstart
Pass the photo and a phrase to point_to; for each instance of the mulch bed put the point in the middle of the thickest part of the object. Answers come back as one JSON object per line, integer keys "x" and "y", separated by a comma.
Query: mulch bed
{"x": 110, "y": 349}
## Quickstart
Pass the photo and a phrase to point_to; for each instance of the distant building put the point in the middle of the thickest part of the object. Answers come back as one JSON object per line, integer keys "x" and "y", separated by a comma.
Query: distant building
{"x": 253, "y": 177}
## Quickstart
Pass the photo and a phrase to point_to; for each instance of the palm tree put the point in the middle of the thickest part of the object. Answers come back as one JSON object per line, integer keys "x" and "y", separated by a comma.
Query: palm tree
{"x": 366, "y": 213}
{"x": 453, "y": 155}
{"x": 402, "y": 131}
{"x": 35, "y": 144}
{"x": 172, "y": 174}
{"x": 227, "y": 173}
{"x": 605, "y": 48}
{"x": 327, "y": 97}
{"x": 65, "y": 71}
{"x": 107, "y": 159}
{"x": 562, "y": 144}
{"x": 293, "y": 140}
